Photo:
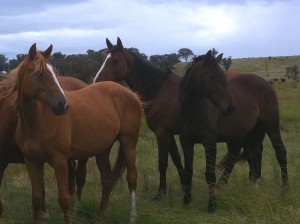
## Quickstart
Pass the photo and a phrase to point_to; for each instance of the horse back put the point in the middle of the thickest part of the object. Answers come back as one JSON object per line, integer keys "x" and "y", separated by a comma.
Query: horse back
{"x": 99, "y": 114}
{"x": 251, "y": 86}
{"x": 254, "y": 99}
{"x": 70, "y": 83}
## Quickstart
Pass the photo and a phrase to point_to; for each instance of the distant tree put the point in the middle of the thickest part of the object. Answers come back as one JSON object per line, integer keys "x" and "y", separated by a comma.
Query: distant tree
{"x": 166, "y": 61}
{"x": 14, "y": 63}
{"x": 292, "y": 71}
{"x": 227, "y": 63}
{"x": 137, "y": 52}
{"x": 214, "y": 52}
{"x": 4, "y": 66}
{"x": 185, "y": 54}
{"x": 58, "y": 60}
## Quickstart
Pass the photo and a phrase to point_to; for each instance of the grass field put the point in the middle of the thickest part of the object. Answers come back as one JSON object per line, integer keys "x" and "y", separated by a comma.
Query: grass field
{"x": 238, "y": 202}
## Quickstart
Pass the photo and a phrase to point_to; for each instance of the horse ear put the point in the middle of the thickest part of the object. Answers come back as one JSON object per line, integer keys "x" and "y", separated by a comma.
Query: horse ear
{"x": 119, "y": 42}
{"x": 47, "y": 52}
{"x": 208, "y": 57}
{"x": 108, "y": 44}
{"x": 32, "y": 51}
{"x": 219, "y": 58}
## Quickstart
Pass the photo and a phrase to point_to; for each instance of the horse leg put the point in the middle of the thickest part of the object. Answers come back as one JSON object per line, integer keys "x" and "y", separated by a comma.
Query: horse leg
{"x": 3, "y": 166}
{"x": 80, "y": 176}
{"x": 128, "y": 146}
{"x": 210, "y": 175}
{"x": 229, "y": 161}
{"x": 104, "y": 167}
{"x": 71, "y": 176}
{"x": 254, "y": 161}
{"x": 163, "y": 141}
{"x": 60, "y": 165}
{"x": 173, "y": 150}
{"x": 36, "y": 175}
{"x": 45, "y": 213}
{"x": 188, "y": 151}
{"x": 254, "y": 153}
{"x": 280, "y": 155}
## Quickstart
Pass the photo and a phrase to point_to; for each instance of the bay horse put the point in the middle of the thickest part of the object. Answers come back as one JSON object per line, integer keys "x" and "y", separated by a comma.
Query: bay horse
{"x": 159, "y": 92}
{"x": 9, "y": 150}
{"x": 56, "y": 125}
{"x": 256, "y": 112}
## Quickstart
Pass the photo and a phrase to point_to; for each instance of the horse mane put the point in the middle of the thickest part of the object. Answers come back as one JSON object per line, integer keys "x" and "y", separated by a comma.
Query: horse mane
{"x": 188, "y": 97}
{"x": 183, "y": 92}
{"x": 149, "y": 76}
{"x": 8, "y": 84}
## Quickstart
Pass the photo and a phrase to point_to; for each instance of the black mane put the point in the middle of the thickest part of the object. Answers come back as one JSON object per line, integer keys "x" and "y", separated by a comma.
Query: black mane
{"x": 183, "y": 92}
{"x": 148, "y": 78}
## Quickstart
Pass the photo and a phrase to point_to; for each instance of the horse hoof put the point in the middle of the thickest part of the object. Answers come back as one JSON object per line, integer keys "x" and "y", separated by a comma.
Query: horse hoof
{"x": 159, "y": 195}
{"x": 211, "y": 208}
{"x": 45, "y": 215}
{"x": 220, "y": 184}
{"x": 187, "y": 199}
{"x": 257, "y": 183}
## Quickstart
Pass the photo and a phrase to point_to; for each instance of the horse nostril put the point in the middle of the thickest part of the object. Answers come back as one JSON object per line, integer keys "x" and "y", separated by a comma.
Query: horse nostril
{"x": 231, "y": 109}
{"x": 63, "y": 105}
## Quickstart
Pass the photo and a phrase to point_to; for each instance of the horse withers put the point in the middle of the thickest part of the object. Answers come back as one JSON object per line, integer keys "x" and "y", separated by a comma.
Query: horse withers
{"x": 55, "y": 125}
{"x": 10, "y": 152}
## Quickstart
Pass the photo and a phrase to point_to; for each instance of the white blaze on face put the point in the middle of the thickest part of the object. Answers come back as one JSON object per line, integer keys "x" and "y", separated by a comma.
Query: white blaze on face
{"x": 54, "y": 77}
{"x": 102, "y": 67}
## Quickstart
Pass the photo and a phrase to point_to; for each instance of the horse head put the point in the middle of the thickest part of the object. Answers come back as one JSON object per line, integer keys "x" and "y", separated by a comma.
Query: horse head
{"x": 205, "y": 78}
{"x": 116, "y": 66}
{"x": 37, "y": 80}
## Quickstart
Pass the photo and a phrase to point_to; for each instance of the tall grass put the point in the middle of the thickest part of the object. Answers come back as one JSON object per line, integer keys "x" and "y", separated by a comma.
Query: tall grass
{"x": 238, "y": 202}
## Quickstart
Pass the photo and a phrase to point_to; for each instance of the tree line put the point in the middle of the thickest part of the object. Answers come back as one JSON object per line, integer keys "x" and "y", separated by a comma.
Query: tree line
{"x": 85, "y": 66}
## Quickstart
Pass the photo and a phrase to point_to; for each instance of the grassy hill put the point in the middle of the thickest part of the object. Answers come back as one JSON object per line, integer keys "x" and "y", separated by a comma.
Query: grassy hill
{"x": 267, "y": 67}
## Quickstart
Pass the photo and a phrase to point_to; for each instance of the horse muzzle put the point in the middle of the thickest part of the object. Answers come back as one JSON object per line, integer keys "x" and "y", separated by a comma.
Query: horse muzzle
{"x": 60, "y": 108}
{"x": 228, "y": 110}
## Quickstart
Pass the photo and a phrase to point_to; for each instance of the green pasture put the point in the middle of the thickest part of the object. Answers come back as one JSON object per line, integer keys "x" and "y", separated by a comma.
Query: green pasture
{"x": 237, "y": 203}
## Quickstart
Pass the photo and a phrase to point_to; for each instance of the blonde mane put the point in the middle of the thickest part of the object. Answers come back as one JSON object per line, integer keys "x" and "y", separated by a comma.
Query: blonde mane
{"x": 9, "y": 84}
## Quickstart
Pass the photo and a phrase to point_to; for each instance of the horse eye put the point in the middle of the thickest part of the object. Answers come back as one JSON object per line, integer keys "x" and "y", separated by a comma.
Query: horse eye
{"x": 212, "y": 77}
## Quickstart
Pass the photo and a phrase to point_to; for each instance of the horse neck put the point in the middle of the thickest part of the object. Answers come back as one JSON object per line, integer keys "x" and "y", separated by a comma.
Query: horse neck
{"x": 145, "y": 79}
{"x": 25, "y": 104}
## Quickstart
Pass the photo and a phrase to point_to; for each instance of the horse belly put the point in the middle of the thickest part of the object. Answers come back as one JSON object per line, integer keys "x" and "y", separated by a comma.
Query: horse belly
{"x": 237, "y": 125}
{"x": 93, "y": 138}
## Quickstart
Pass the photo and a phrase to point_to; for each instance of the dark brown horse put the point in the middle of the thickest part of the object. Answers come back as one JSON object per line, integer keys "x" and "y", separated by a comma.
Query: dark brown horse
{"x": 9, "y": 151}
{"x": 91, "y": 120}
{"x": 159, "y": 91}
{"x": 256, "y": 112}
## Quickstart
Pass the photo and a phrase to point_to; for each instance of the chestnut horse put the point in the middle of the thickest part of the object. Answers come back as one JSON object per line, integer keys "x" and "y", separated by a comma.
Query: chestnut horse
{"x": 256, "y": 112}
{"x": 159, "y": 91}
{"x": 91, "y": 120}
{"x": 9, "y": 151}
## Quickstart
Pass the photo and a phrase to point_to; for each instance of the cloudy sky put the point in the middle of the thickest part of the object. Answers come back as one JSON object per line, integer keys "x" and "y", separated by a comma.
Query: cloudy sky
{"x": 237, "y": 28}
